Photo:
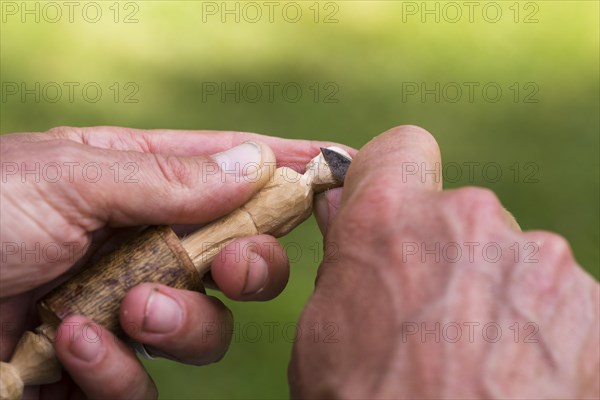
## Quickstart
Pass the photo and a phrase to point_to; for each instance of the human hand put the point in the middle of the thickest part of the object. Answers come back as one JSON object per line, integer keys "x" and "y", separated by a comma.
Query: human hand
{"x": 73, "y": 194}
{"x": 438, "y": 294}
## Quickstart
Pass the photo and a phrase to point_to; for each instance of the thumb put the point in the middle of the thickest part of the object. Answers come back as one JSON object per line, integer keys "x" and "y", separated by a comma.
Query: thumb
{"x": 393, "y": 167}
{"x": 399, "y": 162}
{"x": 145, "y": 188}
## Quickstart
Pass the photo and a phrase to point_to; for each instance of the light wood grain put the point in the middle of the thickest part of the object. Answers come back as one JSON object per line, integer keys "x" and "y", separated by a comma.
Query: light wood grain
{"x": 33, "y": 363}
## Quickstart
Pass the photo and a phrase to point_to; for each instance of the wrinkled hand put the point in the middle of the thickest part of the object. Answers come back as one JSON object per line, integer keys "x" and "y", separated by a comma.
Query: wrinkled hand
{"x": 438, "y": 294}
{"x": 72, "y": 194}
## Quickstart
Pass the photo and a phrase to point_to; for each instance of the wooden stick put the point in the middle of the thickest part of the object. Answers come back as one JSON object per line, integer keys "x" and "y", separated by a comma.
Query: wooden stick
{"x": 159, "y": 256}
{"x": 284, "y": 202}
{"x": 33, "y": 363}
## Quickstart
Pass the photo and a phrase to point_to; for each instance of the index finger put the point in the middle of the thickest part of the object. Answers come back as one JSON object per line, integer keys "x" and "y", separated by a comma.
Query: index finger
{"x": 293, "y": 153}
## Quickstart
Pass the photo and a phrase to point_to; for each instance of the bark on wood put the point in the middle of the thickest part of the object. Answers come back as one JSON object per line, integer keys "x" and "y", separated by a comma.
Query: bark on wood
{"x": 154, "y": 256}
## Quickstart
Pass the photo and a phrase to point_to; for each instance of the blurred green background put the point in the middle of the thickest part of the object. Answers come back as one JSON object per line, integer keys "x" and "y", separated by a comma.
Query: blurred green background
{"x": 361, "y": 67}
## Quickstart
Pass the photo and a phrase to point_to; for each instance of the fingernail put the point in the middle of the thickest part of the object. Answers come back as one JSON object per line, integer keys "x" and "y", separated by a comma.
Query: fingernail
{"x": 256, "y": 277}
{"x": 87, "y": 343}
{"x": 242, "y": 159}
{"x": 163, "y": 314}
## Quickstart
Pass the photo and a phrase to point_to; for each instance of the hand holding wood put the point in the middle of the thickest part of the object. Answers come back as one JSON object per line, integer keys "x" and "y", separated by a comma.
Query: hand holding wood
{"x": 158, "y": 255}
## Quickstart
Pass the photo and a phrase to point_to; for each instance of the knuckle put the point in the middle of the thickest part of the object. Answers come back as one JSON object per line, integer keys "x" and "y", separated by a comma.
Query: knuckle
{"x": 480, "y": 202}
{"x": 62, "y": 151}
{"x": 550, "y": 265}
{"x": 552, "y": 247}
{"x": 477, "y": 195}
{"x": 54, "y": 155}
{"x": 63, "y": 132}
{"x": 174, "y": 170}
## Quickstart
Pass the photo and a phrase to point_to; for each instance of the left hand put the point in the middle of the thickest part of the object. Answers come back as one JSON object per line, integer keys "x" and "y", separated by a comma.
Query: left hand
{"x": 72, "y": 194}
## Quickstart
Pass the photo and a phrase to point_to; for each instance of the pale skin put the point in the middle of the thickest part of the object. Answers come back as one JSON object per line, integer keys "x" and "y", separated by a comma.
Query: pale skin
{"x": 378, "y": 291}
{"x": 170, "y": 185}
{"x": 372, "y": 287}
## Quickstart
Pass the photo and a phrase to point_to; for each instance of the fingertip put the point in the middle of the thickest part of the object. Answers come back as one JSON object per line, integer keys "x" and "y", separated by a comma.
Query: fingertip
{"x": 177, "y": 324}
{"x": 411, "y": 137}
{"x": 80, "y": 341}
{"x": 403, "y": 159}
{"x": 101, "y": 365}
{"x": 133, "y": 308}
{"x": 254, "y": 268}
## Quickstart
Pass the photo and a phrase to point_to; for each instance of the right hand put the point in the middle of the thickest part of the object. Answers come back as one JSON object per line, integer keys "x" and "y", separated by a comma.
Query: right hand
{"x": 410, "y": 312}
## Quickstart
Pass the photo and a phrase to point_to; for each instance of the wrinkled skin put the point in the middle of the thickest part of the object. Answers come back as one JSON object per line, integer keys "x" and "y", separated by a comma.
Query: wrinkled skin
{"x": 378, "y": 293}
{"x": 146, "y": 177}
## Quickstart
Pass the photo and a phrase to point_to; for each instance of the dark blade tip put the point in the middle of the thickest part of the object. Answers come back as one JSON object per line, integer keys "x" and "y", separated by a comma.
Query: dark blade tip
{"x": 338, "y": 163}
